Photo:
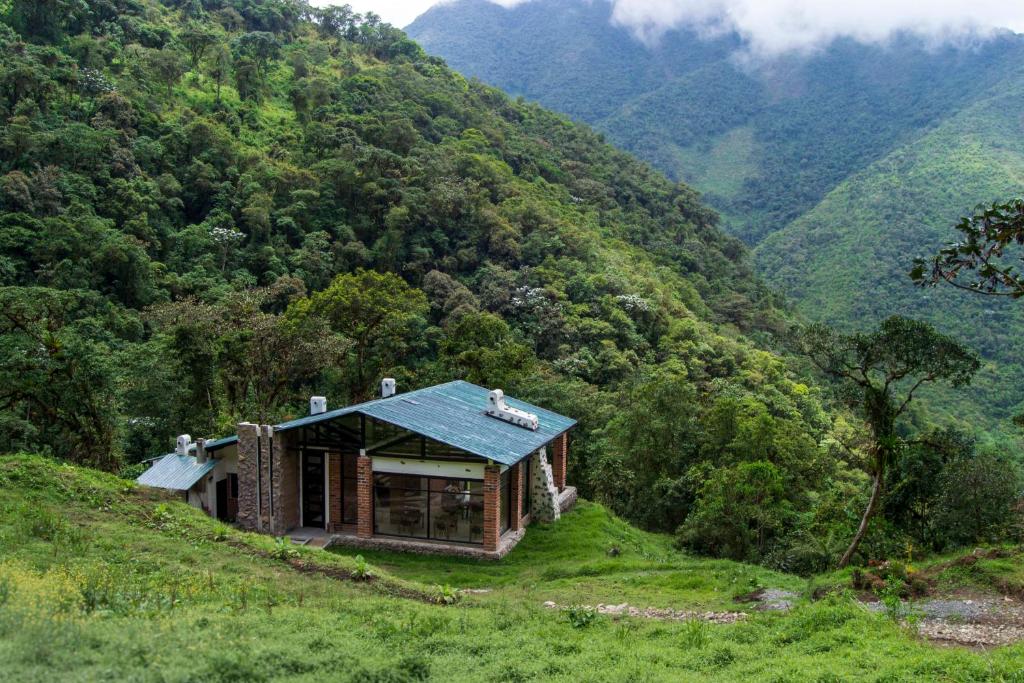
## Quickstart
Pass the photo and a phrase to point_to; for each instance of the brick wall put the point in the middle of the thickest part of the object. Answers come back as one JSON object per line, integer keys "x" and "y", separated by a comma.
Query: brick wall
{"x": 364, "y": 481}
{"x": 516, "y": 476}
{"x": 492, "y": 507}
{"x": 334, "y": 491}
{"x": 560, "y": 460}
{"x": 248, "y": 434}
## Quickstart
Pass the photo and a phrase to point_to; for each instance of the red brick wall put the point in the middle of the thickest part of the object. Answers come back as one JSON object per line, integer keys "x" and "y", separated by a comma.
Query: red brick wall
{"x": 516, "y": 476}
{"x": 364, "y": 481}
{"x": 334, "y": 492}
{"x": 560, "y": 460}
{"x": 492, "y": 507}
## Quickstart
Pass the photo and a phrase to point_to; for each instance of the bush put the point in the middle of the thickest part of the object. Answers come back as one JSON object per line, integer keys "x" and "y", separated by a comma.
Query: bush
{"x": 581, "y": 616}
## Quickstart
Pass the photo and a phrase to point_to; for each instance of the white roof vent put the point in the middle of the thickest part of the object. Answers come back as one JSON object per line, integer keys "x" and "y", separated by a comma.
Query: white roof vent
{"x": 387, "y": 387}
{"x": 182, "y": 445}
{"x": 317, "y": 405}
{"x": 496, "y": 407}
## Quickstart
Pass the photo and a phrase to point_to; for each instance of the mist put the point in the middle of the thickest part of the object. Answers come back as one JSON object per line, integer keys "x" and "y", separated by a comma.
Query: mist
{"x": 777, "y": 26}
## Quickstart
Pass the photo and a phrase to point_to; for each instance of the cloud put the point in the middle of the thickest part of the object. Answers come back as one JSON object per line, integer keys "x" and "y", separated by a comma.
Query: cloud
{"x": 777, "y": 26}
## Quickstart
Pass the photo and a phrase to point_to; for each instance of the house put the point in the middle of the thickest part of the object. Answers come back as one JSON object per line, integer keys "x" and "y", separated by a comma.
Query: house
{"x": 449, "y": 469}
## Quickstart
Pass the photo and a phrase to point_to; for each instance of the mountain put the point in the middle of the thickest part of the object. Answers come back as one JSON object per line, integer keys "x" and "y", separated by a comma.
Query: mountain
{"x": 839, "y": 166}
{"x": 186, "y": 188}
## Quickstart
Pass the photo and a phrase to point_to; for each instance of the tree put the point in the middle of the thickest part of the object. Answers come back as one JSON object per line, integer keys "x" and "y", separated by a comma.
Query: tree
{"x": 197, "y": 38}
{"x": 168, "y": 66}
{"x": 988, "y": 238}
{"x": 480, "y": 348}
{"x": 881, "y": 372}
{"x": 260, "y": 47}
{"x": 379, "y": 312}
{"x": 260, "y": 359}
{"x": 58, "y": 381}
{"x": 219, "y": 66}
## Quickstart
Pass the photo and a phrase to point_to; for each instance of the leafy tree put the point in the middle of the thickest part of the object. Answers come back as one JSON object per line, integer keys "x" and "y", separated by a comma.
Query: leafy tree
{"x": 481, "y": 348}
{"x": 219, "y": 65}
{"x": 739, "y": 512}
{"x": 881, "y": 372}
{"x": 260, "y": 359}
{"x": 168, "y": 66}
{"x": 979, "y": 492}
{"x": 378, "y": 312}
{"x": 58, "y": 379}
{"x": 988, "y": 239}
{"x": 260, "y": 47}
{"x": 197, "y": 38}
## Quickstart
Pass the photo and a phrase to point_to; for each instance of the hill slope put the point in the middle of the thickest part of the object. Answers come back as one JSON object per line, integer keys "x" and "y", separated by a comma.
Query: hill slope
{"x": 842, "y": 165}
{"x": 100, "y": 580}
{"x": 861, "y": 236}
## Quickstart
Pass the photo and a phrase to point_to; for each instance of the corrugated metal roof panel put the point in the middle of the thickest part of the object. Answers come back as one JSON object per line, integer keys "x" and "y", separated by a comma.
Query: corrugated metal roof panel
{"x": 175, "y": 472}
{"x": 454, "y": 414}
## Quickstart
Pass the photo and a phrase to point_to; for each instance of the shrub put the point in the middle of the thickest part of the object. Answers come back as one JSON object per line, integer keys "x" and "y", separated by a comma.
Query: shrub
{"x": 361, "y": 571}
{"x": 581, "y": 616}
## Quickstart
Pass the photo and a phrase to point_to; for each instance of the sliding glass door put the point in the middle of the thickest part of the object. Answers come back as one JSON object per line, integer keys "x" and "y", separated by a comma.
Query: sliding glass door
{"x": 428, "y": 507}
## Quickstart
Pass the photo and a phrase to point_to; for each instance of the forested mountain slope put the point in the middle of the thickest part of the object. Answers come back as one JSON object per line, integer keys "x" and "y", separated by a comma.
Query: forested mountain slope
{"x": 842, "y": 165}
{"x": 763, "y": 139}
{"x": 859, "y": 238}
{"x": 210, "y": 211}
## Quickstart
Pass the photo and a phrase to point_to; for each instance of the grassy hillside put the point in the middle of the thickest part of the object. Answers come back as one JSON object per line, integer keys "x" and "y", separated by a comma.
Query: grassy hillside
{"x": 101, "y": 581}
{"x": 863, "y": 235}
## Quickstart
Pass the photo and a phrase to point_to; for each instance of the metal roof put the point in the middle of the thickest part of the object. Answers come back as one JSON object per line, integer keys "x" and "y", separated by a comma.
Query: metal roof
{"x": 176, "y": 472}
{"x": 454, "y": 414}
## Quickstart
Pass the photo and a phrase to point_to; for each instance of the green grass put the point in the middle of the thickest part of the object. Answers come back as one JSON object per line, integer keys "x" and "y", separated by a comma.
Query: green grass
{"x": 100, "y": 581}
{"x": 574, "y": 558}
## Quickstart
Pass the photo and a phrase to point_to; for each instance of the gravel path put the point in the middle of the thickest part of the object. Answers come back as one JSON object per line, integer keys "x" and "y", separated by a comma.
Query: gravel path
{"x": 975, "y": 622}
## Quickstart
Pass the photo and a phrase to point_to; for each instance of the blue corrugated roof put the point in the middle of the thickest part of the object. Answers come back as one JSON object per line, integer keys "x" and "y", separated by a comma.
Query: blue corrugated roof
{"x": 454, "y": 414}
{"x": 176, "y": 472}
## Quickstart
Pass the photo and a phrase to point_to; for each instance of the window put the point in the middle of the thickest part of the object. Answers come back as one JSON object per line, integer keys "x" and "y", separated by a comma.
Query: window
{"x": 349, "y": 489}
{"x": 506, "y": 500}
{"x": 428, "y": 507}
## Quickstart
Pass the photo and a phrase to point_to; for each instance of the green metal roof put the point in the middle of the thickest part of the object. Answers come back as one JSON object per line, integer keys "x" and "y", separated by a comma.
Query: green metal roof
{"x": 454, "y": 414}
{"x": 176, "y": 472}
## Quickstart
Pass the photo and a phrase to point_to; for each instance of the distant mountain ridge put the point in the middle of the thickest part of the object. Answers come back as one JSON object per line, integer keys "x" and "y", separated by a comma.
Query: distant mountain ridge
{"x": 838, "y": 167}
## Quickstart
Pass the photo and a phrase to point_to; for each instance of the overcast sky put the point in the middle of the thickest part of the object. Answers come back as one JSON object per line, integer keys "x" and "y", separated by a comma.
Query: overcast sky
{"x": 773, "y": 26}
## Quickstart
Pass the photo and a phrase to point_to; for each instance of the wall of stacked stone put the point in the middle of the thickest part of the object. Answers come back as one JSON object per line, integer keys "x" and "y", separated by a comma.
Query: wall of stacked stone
{"x": 543, "y": 494}
{"x": 284, "y": 478}
{"x": 248, "y": 435}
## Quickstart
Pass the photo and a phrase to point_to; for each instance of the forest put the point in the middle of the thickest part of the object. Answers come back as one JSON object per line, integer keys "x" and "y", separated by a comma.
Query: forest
{"x": 212, "y": 209}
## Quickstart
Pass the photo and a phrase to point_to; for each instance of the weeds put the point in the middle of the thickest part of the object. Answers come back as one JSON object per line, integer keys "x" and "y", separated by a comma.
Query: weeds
{"x": 695, "y": 634}
{"x": 581, "y": 616}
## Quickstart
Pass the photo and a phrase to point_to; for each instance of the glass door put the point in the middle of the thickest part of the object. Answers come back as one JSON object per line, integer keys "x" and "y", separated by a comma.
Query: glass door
{"x": 314, "y": 502}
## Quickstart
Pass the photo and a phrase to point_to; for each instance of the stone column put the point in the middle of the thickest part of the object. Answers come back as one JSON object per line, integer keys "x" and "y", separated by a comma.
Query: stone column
{"x": 516, "y": 476}
{"x": 248, "y": 476}
{"x": 559, "y": 460}
{"x": 364, "y": 483}
{"x": 492, "y": 507}
{"x": 282, "y": 474}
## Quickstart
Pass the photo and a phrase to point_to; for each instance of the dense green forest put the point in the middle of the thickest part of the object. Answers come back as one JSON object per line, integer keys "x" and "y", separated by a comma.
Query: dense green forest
{"x": 210, "y": 210}
{"x": 840, "y": 166}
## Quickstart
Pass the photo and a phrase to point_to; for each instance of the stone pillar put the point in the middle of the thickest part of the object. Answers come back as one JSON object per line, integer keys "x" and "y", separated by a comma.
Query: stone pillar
{"x": 560, "y": 460}
{"x": 364, "y": 483}
{"x": 492, "y": 507}
{"x": 282, "y": 476}
{"x": 334, "y": 484}
{"x": 516, "y": 481}
{"x": 248, "y": 476}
